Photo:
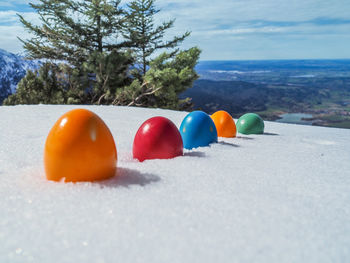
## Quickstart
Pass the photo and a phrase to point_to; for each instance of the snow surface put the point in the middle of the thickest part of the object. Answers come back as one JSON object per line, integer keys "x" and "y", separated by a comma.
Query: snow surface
{"x": 279, "y": 197}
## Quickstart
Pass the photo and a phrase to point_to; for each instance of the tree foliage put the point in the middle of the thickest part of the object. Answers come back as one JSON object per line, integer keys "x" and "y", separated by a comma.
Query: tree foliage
{"x": 98, "y": 53}
{"x": 40, "y": 87}
{"x": 143, "y": 36}
{"x": 110, "y": 71}
{"x": 85, "y": 35}
{"x": 72, "y": 30}
{"x": 163, "y": 82}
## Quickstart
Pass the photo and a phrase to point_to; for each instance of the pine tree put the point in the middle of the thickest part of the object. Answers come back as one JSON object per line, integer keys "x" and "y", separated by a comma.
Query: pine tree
{"x": 82, "y": 35}
{"x": 78, "y": 32}
{"x": 110, "y": 74}
{"x": 71, "y": 30}
{"x": 166, "y": 78}
{"x": 144, "y": 37}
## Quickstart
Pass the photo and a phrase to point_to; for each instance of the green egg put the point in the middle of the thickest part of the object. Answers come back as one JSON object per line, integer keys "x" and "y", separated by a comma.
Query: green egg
{"x": 250, "y": 123}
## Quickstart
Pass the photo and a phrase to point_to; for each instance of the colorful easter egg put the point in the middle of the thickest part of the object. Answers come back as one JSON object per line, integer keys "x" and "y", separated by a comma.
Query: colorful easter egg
{"x": 224, "y": 123}
{"x": 250, "y": 123}
{"x": 157, "y": 138}
{"x": 80, "y": 147}
{"x": 198, "y": 129}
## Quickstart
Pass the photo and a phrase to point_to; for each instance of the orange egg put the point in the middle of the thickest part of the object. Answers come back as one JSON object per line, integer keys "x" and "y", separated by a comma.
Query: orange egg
{"x": 80, "y": 147}
{"x": 225, "y": 124}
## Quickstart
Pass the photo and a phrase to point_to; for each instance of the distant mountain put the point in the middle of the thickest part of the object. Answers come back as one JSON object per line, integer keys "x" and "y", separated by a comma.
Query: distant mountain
{"x": 12, "y": 69}
{"x": 233, "y": 96}
{"x": 275, "y": 65}
{"x": 271, "y": 88}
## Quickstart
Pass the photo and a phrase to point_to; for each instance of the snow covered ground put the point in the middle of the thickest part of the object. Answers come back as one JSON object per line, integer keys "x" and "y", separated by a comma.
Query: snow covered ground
{"x": 279, "y": 197}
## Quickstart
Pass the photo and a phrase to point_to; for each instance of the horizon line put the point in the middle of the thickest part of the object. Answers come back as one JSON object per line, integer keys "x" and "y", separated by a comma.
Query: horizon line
{"x": 273, "y": 59}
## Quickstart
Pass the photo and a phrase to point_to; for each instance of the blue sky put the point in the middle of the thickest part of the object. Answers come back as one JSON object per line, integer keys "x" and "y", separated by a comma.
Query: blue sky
{"x": 237, "y": 29}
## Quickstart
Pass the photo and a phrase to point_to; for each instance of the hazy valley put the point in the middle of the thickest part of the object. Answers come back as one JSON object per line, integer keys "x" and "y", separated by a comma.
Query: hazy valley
{"x": 319, "y": 88}
{"x": 272, "y": 88}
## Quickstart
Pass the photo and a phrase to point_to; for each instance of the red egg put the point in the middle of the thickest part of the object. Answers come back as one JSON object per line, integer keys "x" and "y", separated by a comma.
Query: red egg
{"x": 157, "y": 138}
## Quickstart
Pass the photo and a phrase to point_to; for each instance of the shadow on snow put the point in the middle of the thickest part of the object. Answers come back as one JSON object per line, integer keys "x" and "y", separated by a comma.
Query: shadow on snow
{"x": 228, "y": 144}
{"x": 270, "y": 133}
{"x": 195, "y": 154}
{"x": 126, "y": 177}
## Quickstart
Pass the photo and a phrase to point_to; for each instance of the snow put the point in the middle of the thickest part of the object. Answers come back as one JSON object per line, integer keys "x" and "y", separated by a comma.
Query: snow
{"x": 279, "y": 197}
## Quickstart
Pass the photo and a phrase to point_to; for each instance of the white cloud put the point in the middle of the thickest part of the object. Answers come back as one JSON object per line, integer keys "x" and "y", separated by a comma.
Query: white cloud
{"x": 5, "y": 4}
{"x": 14, "y": 3}
{"x": 205, "y": 15}
{"x": 245, "y": 10}
{"x": 11, "y": 29}
{"x": 261, "y": 28}
{"x": 230, "y": 29}
{"x": 8, "y": 16}
{"x": 239, "y": 31}
{"x": 9, "y": 40}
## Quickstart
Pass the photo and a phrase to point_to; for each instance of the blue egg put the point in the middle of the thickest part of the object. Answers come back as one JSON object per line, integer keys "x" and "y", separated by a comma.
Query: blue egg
{"x": 198, "y": 129}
